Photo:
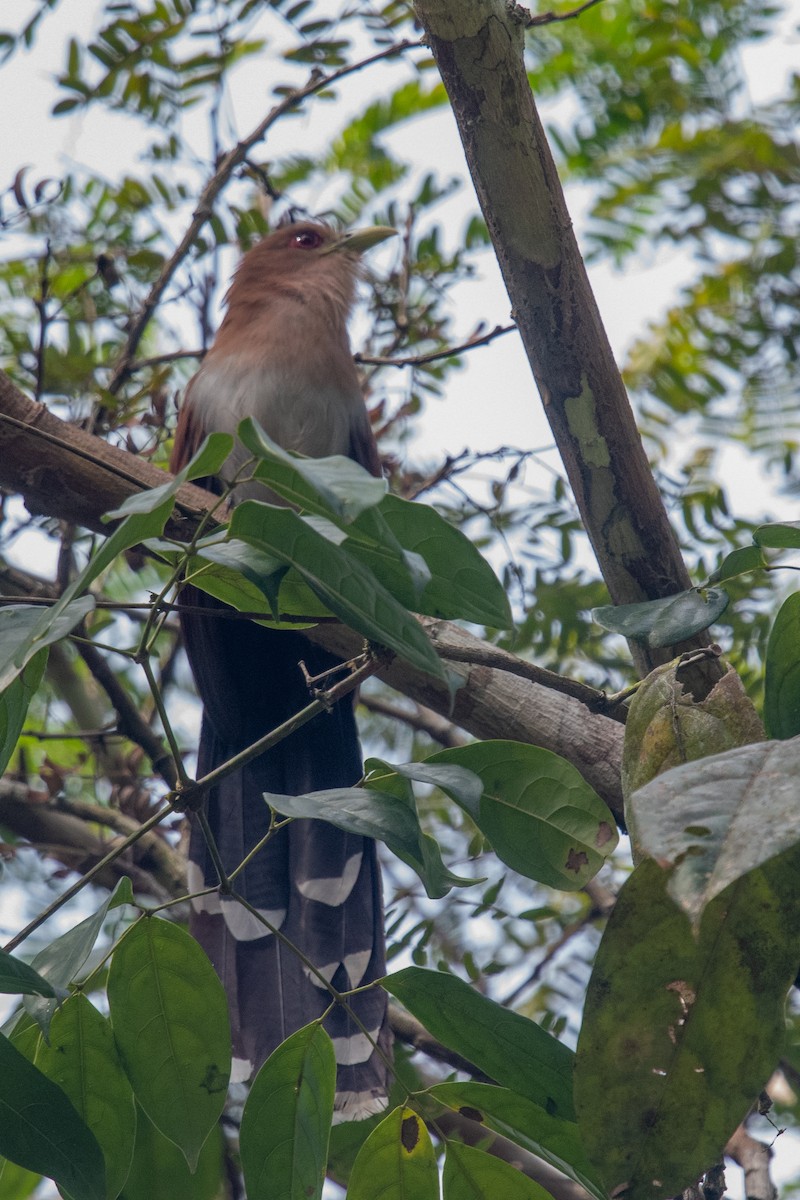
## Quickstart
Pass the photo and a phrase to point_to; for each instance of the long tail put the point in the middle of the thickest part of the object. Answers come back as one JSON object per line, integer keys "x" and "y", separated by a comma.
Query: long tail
{"x": 318, "y": 885}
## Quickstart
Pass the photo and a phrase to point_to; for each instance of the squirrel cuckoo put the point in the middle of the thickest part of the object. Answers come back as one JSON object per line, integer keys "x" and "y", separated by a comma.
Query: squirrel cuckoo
{"x": 282, "y": 355}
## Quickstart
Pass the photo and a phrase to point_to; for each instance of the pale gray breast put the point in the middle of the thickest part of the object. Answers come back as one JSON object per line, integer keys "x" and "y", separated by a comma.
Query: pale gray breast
{"x": 311, "y": 415}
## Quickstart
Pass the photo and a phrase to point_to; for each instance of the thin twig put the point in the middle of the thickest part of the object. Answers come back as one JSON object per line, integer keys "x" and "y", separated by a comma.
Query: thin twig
{"x": 419, "y": 360}
{"x": 419, "y": 718}
{"x": 137, "y": 606}
{"x": 189, "y": 796}
{"x": 502, "y": 660}
{"x": 129, "y": 719}
{"x": 549, "y": 17}
{"x": 88, "y": 876}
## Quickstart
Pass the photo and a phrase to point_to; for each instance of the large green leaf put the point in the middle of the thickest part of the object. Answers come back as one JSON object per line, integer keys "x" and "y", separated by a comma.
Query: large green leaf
{"x": 680, "y": 1033}
{"x": 554, "y": 1139}
{"x": 41, "y": 1131}
{"x": 541, "y": 816}
{"x": 665, "y": 622}
{"x": 348, "y": 588}
{"x": 783, "y": 535}
{"x": 738, "y": 562}
{"x": 61, "y": 961}
{"x": 717, "y": 819}
{"x": 252, "y": 581}
{"x": 462, "y": 584}
{"x": 81, "y": 1058}
{"x": 782, "y": 673}
{"x": 382, "y": 815}
{"x": 335, "y": 486}
{"x": 232, "y": 559}
{"x": 170, "y": 1020}
{"x": 471, "y": 1174}
{"x": 287, "y": 1119}
{"x": 510, "y": 1049}
{"x": 396, "y": 1162}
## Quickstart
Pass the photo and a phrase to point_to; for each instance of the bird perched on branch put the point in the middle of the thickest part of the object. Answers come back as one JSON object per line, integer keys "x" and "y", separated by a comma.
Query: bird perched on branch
{"x": 282, "y": 355}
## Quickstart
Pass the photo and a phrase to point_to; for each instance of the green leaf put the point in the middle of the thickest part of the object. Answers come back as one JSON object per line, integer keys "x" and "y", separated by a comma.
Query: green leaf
{"x": 665, "y": 622}
{"x": 386, "y": 779}
{"x": 471, "y": 1174}
{"x": 541, "y": 816}
{"x": 17, "y": 978}
{"x": 41, "y": 1131}
{"x": 462, "y": 584}
{"x": 287, "y": 1119}
{"x": 207, "y": 462}
{"x": 396, "y": 1162}
{"x": 738, "y": 562}
{"x": 15, "y": 1182}
{"x": 719, "y": 818}
{"x": 370, "y": 540}
{"x": 502, "y": 1111}
{"x": 378, "y": 814}
{"x": 235, "y": 559}
{"x": 340, "y": 581}
{"x": 334, "y": 487}
{"x": 25, "y": 629}
{"x": 680, "y": 1033}
{"x": 81, "y": 1058}
{"x": 170, "y": 1021}
{"x": 157, "y": 1158}
{"x": 61, "y": 961}
{"x": 782, "y": 671}
{"x": 510, "y": 1049}
{"x": 14, "y": 702}
{"x": 781, "y": 535}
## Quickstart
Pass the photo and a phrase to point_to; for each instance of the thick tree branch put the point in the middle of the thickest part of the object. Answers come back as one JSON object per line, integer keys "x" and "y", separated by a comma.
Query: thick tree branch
{"x": 418, "y": 718}
{"x": 67, "y": 473}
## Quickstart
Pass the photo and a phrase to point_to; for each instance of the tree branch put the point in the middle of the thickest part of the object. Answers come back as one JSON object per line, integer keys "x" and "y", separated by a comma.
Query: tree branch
{"x": 479, "y": 49}
{"x": 77, "y": 477}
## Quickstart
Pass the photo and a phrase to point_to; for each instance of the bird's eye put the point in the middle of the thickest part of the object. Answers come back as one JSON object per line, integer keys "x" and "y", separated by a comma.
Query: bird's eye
{"x": 309, "y": 239}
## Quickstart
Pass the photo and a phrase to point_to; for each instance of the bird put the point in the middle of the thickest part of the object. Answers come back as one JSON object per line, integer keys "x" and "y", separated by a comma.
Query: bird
{"x": 282, "y": 355}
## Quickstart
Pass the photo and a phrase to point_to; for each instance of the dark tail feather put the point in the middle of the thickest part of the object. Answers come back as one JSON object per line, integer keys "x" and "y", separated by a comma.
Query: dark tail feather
{"x": 318, "y": 885}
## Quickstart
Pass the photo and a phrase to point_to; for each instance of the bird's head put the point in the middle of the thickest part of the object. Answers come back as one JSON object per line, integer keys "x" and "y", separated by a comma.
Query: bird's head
{"x": 310, "y": 257}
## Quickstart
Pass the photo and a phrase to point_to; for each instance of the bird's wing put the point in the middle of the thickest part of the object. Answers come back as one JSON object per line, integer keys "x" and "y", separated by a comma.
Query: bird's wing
{"x": 189, "y": 433}
{"x": 363, "y": 447}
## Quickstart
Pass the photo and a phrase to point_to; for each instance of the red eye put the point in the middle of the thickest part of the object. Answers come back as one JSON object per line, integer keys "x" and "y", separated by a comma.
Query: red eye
{"x": 309, "y": 239}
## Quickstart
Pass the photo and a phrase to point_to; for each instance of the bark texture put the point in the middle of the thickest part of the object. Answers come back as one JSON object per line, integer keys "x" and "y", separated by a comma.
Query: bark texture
{"x": 479, "y": 49}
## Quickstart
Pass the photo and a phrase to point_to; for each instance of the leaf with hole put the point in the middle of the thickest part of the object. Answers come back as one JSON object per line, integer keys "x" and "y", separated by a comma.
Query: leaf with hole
{"x": 396, "y": 1161}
